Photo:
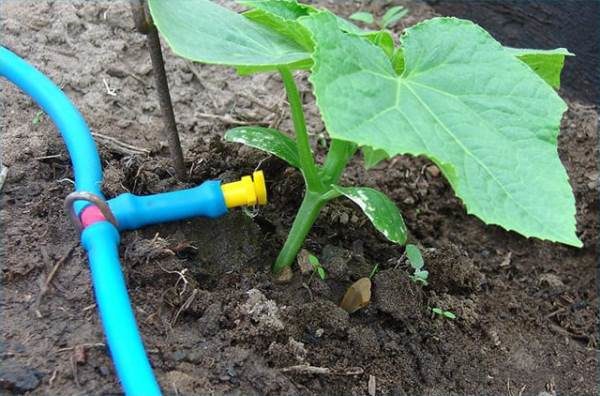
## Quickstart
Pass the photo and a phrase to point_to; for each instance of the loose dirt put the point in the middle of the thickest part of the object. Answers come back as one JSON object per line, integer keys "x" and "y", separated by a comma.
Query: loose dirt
{"x": 212, "y": 319}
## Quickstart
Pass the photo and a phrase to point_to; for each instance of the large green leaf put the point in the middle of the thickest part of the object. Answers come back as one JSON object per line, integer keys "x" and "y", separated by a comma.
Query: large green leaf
{"x": 266, "y": 139}
{"x": 547, "y": 64}
{"x": 286, "y": 9}
{"x": 283, "y": 16}
{"x": 206, "y": 32}
{"x": 462, "y": 100}
{"x": 291, "y": 10}
{"x": 280, "y": 16}
{"x": 382, "y": 212}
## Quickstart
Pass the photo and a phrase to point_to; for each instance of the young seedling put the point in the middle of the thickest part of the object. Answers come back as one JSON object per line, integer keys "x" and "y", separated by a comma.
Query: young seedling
{"x": 485, "y": 114}
{"x": 391, "y": 16}
{"x": 442, "y": 313}
{"x": 374, "y": 271}
{"x": 37, "y": 118}
{"x": 415, "y": 259}
{"x": 317, "y": 267}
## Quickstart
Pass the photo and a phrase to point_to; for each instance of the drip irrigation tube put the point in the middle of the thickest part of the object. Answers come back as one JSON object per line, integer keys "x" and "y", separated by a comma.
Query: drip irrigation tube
{"x": 68, "y": 120}
{"x": 99, "y": 239}
{"x": 100, "y": 221}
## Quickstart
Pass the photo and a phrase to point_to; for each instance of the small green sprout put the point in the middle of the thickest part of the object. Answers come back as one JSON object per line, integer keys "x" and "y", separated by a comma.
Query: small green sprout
{"x": 317, "y": 267}
{"x": 415, "y": 260}
{"x": 363, "y": 16}
{"x": 38, "y": 117}
{"x": 392, "y": 15}
{"x": 443, "y": 313}
{"x": 374, "y": 271}
{"x": 487, "y": 115}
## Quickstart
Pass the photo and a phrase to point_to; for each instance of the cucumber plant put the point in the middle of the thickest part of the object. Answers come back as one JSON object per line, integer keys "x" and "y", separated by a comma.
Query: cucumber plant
{"x": 485, "y": 114}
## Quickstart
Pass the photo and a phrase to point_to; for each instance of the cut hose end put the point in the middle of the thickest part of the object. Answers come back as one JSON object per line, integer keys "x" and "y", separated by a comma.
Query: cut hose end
{"x": 249, "y": 191}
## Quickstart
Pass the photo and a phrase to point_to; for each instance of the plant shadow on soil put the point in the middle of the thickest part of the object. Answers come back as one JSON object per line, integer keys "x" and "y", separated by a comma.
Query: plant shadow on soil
{"x": 211, "y": 317}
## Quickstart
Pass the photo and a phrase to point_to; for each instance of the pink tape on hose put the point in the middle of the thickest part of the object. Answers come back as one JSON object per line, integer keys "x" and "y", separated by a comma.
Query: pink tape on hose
{"x": 91, "y": 215}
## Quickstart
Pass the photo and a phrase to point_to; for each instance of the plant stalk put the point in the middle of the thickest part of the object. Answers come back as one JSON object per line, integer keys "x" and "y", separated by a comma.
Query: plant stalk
{"x": 307, "y": 161}
{"x": 318, "y": 191}
{"x": 143, "y": 23}
{"x": 305, "y": 218}
{"x": 339, "y": 154}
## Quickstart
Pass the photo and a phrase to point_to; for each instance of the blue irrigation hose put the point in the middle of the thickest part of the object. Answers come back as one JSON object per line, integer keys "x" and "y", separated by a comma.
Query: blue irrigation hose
{"x": 134, "y": 211}
{"x": 100, "y": 239}
{"x": 68, "y": 120}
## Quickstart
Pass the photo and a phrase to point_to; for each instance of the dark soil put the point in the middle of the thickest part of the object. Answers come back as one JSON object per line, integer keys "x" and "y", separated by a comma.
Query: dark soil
{"x": 212, "y": 319}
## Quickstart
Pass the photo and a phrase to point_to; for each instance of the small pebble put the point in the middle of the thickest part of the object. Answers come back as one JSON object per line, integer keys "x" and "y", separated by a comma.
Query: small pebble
{"x": 433, "y": 170}
{"x": 104, "y": 371}
{"x": 344, "y": 218}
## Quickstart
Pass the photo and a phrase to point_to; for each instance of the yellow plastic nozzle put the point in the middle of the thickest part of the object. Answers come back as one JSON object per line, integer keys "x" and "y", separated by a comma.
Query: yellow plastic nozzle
{"x": 246, "y": 192}
{"x": 260, "y": 186}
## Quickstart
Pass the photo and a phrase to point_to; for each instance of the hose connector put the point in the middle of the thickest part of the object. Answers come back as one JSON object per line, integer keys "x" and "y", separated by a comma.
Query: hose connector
{"x": 249, "y": 191}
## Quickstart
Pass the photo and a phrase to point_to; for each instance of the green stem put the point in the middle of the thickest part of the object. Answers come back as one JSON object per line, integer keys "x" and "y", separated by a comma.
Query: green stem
{"x": 340, "y": 152}
{"x": 307, "y": 162}
{"x": 305, "y": 218}
{"x": 318, "y": 192}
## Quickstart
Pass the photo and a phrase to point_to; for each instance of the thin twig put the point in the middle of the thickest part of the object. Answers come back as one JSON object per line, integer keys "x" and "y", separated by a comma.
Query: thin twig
{"x": 307, "y": 369}
{"x": 3, "y": 174}
{"x": 109, "y": 91}
{"x": 136, "y": 77}
{"x": 254, "y": 100}
{"x": 66, "y": 180}
{"x": 46, "y": 157}
{"x": 53, "y": 377}
{"x": 180, "y": 273}
{"x": 74, "y": 369}
{"x": 184, "y": 306}
{"x": 53, "y": 272}
{"x": 89, "y": 345}
{"x": 128, "y": 149}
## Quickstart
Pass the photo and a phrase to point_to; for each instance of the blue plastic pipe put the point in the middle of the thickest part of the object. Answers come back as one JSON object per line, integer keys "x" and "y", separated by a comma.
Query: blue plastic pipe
{"x": 101, "y": 239}
{"x": 69, "y": 122}
{"x": 134, "y": 211}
